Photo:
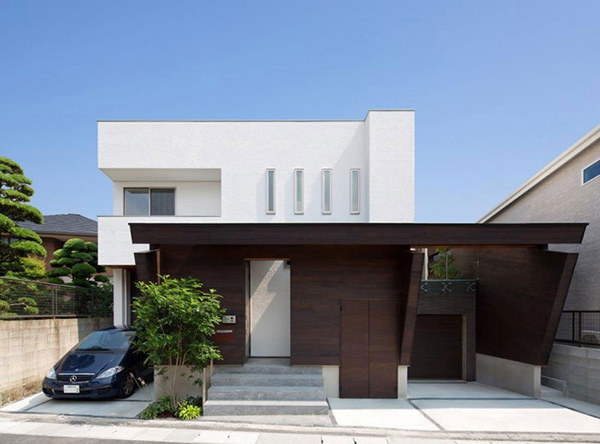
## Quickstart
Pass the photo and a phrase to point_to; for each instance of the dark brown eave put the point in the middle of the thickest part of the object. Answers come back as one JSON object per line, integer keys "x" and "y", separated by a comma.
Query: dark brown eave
{"x": 409, "y": 234}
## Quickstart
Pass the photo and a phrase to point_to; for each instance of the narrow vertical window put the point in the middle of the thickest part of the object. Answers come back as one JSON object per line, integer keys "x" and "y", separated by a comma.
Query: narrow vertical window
{"x": 326, "y": 191}
{"x": 298, "y": 191}
{"x": 354, "y": 191}
{"x": 270, "y": 191}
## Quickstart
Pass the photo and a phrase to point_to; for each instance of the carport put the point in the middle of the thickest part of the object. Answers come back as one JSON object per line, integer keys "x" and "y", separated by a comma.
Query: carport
{"x": 102, "y": 408}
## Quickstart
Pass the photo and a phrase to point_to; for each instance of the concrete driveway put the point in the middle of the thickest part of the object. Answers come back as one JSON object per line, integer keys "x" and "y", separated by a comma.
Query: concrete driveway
{"x": 106, "y": 408}
{"x": 464, "y": 407}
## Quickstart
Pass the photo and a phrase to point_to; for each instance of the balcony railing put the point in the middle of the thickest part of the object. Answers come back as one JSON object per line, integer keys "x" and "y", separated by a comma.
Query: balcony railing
{"x": 579, "y": 327}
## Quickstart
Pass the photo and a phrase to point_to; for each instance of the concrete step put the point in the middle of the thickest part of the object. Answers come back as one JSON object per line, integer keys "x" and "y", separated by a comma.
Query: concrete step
{"x": 232, "y": 408}
{"x": 268, "y": 370}
{"x": 246, "y": 393}
{"x": 269, "y": 380}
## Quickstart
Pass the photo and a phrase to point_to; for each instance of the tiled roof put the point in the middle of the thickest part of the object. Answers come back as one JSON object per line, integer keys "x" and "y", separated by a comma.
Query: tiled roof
{"x": 69, "y": 224}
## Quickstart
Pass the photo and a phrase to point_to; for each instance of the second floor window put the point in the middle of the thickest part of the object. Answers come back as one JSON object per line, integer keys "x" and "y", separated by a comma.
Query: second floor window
{"x": 355, "y": 191}
{"x": 298, "y": 191}
{"x": 591, "y": 172}
{"x": 326, "y": 189}
{"x": 149, "y": 201}
{"x": 270, "y": 191}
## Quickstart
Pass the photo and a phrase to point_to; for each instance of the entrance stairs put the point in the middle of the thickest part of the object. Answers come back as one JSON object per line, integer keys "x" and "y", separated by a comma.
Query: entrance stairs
{"x": 266, "y": 386}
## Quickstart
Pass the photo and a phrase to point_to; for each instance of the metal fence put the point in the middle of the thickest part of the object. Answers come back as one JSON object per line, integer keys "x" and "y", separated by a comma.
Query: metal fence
{"x": 579, "y": 327}
{"x": 21, "y": 298}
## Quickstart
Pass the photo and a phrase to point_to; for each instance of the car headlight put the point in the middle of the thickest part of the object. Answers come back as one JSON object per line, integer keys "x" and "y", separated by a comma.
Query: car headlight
{"x": 110, "y": 372}
{"x": 51, "y": 373}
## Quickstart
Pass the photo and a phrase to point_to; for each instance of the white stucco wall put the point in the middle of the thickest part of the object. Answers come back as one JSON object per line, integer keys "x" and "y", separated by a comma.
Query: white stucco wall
{"x": 270, "y": 309}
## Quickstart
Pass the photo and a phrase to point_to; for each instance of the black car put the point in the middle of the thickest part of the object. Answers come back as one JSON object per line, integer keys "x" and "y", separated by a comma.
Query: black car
{"x": 103, "y": 365}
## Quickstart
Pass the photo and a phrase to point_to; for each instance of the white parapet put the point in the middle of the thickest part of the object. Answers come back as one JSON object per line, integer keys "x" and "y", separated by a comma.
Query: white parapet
{"x": 510, "y": 375}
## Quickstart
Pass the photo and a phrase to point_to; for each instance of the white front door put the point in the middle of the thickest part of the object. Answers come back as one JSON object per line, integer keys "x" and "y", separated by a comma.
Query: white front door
{"x": 270, "y": 309}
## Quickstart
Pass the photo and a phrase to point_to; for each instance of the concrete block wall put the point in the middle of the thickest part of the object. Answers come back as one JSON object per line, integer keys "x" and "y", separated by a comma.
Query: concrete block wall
{"x": 28, "y": 348}
{"x": 579, "y": 367}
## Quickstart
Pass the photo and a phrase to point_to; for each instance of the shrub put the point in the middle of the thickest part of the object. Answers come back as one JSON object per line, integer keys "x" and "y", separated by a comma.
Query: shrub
{"x": 175, "y": 323}
{"x": 77, "y": 260}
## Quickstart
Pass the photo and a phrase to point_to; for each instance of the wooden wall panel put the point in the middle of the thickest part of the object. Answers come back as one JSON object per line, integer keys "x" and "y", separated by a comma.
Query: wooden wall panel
{"x": 457, "y": 302}
{"x": 411, "y": 269}
{"x": 521, "y": 294}
{"x": 367, "y": 234}
{"x": 320, "y": 278}
{"x": 383, "y": 349}
{"x": 147, "y": 265}
{"x": 437, "y": 350}
{"x": 354, "y": 368}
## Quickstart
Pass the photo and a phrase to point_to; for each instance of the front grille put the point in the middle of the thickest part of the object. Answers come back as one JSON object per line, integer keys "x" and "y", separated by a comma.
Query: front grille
{"x": 82, "y": 378}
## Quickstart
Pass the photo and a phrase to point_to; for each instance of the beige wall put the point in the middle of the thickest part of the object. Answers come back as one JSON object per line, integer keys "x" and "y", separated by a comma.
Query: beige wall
{"x": 29, "y": 348}
{"x": 562, "y": 198}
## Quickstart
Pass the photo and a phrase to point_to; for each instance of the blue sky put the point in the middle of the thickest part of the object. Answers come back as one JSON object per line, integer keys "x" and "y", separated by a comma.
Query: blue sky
{"x": 499, "y": 87}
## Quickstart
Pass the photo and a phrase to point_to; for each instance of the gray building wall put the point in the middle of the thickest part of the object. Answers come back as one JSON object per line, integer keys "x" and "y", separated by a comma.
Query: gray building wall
{"x": 561, "y": 197}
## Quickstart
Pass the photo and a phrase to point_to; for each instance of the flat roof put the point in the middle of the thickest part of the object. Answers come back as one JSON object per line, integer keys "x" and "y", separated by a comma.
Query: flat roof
{"x": 405, "y": 234}
{"x": 408, "y": 110}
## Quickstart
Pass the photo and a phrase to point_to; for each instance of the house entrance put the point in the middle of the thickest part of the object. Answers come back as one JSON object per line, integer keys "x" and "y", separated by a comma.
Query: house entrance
{"x": 269, "y": 292}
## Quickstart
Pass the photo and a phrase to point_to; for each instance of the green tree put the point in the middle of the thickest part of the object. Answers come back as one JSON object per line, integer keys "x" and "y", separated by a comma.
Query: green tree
{"x": 443, "y": 266}
{"x": 21, "y": 249}
{"x": 175, "y": 322}
{"x": 77, "y": 260}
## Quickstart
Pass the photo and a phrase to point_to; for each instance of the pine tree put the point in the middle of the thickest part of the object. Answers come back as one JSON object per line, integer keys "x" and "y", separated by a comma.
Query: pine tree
{"x": 21, "y": 250}
{"x": 77, "y": 260}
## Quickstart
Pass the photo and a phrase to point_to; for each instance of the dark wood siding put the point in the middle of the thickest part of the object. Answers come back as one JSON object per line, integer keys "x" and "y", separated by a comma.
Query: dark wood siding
{"x": 320, "y": 278}
{"x": 369, "y": 349}
{"x": 324, "y": 234}
{"x": 437, "y": 349}
{"x": 354, "y": 368}
{"x": 383, "y": 349}
{"x": 520, "y": 296}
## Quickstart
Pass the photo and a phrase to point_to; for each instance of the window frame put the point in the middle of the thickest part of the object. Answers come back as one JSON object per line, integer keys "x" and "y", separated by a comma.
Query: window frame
{"x": 297, "y": 210}
{"x": 330, "y": 171}
{"x": 274, "y": 210}
{"x": 149, "y": 190}
{"x": 583, "y": 181}
{"x": 358, "y": 200}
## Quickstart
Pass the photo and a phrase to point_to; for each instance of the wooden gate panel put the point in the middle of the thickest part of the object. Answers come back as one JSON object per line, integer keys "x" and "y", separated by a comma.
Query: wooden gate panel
{"x": 437, "y": 349}
{"x": 354, "y": 374}
{"x": 383, "y": 349}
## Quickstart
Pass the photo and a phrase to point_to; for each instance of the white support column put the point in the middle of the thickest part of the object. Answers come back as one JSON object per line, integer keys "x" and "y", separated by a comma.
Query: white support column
{"x": 331, "y": 377}
{"x": 402, "y": 381}
{"x": 121, "y": 297}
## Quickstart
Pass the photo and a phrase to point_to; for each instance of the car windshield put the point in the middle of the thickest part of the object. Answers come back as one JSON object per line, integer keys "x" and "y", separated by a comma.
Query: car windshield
{"x": 106, "y": 340}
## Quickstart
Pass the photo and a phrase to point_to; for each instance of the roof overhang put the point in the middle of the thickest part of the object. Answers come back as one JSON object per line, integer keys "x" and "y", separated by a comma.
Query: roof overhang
{"x": 407, "y": 234}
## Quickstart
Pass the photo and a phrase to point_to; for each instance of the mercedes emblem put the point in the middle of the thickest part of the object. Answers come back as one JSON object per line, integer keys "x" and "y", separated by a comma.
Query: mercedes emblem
{"x": 73, "y": 378}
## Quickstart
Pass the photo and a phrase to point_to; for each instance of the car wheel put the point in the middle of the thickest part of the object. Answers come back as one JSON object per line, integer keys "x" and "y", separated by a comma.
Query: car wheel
{"x": 127, "y": 385}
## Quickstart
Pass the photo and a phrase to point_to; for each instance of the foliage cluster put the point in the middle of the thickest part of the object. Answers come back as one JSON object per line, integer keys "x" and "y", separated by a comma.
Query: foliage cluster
{"x": 443, "y": 265}
{"x": 191, "y": 408}
{"x": 77, "y": 260}
{"x": 21, "y": 250}
{"x": 175, "y": 322}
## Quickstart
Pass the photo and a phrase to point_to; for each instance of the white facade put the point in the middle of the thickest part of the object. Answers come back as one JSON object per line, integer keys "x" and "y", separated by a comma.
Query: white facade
{"x": 219, "y": 169}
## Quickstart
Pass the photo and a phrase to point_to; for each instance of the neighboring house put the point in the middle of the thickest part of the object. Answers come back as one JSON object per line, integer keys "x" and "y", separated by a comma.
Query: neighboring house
{"x": 306, "y": 228}
{"x": 568, "y": 190}
{"x": 565, "y": 190}
{"x": 58, "y": 228}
